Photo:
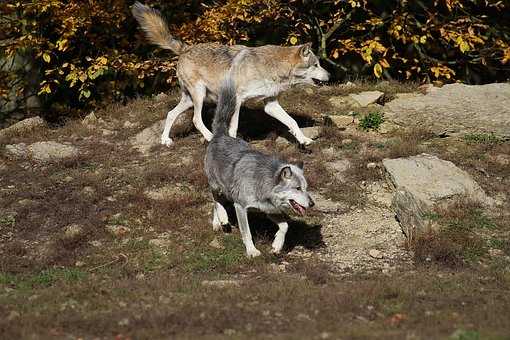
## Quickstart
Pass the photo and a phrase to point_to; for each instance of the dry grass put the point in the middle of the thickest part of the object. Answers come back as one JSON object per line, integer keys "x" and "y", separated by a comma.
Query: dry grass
{"x": 147, "y": 282}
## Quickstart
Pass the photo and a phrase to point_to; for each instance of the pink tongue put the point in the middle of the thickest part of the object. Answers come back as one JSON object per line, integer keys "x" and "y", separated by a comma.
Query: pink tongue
{"x": 301, "y": 209}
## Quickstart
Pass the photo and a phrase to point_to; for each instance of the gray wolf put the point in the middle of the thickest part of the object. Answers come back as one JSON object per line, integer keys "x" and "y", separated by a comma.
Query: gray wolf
{"x": 263, "y": 73}
{"x": 250, "y": 179}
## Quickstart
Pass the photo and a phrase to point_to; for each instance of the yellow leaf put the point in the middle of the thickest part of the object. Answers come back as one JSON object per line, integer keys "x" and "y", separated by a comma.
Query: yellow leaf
{"x": 293, "y": 40}
{"x": 46, "y": 57}
{"x": 378, "y": 70}
{"x": 423, "y": 39}
{"x": 464, "y": 46}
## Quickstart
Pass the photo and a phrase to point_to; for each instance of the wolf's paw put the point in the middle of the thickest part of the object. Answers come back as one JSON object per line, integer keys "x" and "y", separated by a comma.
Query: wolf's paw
{"x": 166, "y": 141}
{"x": 253, "y": 252}
{"x": 306, "y": 141}
{"x": 276, "y": 248}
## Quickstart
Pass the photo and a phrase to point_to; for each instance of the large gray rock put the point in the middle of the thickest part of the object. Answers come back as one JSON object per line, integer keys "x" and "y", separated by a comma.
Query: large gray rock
{"x": 23, "y": 127}
{"x": 41, "y": 151}
{"x": 151, "y": 136}
{"x": 456, "y": 109}
{"x": 424, "y": 181}
{"x": 366, "y": 98}
{"x": 48, "y": 151}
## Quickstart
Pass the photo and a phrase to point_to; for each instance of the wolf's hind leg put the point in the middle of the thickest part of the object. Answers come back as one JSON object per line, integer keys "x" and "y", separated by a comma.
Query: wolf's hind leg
{"x": 220, "y": 216}
{"x": 184, "y": 104}
{"x": 279, "y": 238}
{"x": 198, "y": 94}
{"x": 244, "y": 227}
{"x": 274, "y": 109}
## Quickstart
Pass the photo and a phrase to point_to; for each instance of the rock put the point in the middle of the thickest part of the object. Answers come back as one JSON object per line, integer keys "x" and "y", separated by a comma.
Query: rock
{"x": 88, "y": 191}
{"x": 371, "y": 165}
{"x": 366, "y": 98}
{"x": 151, "y": 136}
{"x": 161, "y": 97}
{"x": 118, "y": 230}
{"x": 346, "y": 141}
{"x": 160, "y": 243}
{"x": 424, "y": 181}
{"x": 220, "y": 283}
{"x": 129, "y": 125}
{"x": 312, "y": 132}
{"x": 456, "y": 109}
{"x": 376, "y": 254}
{"x": 72, "y": 231}
{"x": 23, "y": 127}
{"x": 343, "y": 102}
{"x": 427, "y": 88}
{"x": 15, "y": 151}
{"x": 215, "y": 243}
{"x": 49, "y": 151}
{"x": 281, "y": 142}
{"x": 90, "y": 120}
{"x": 341, "y": 122}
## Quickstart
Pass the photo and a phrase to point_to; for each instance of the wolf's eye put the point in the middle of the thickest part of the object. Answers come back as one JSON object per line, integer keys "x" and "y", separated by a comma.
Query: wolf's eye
{"x": 298, "y": 188}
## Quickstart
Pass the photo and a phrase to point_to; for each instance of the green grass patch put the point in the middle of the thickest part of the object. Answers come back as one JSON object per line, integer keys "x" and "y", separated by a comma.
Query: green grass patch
{"x": 371, "y": 121}
{"x": 7, "y": 221}
{"x": 45, "y": 278}
{"x": 482, "y": 138}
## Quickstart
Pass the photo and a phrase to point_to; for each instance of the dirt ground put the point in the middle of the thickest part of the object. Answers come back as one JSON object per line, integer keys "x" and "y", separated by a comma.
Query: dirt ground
{"x": 115, "y": 244}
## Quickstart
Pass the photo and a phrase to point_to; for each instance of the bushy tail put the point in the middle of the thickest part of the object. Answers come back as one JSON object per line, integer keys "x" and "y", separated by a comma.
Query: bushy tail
{"x": 156, "y": 28}
{"x": 225, "y": 108}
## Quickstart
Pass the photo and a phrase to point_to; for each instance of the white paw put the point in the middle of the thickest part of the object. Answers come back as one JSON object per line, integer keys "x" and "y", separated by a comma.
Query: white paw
{"x": 277, "y": 247}
{"x": 306, "y": 141}
{"x": 253, "y": 252}
{"x": 166, "y": 141}
{"x": 216, "y": 226}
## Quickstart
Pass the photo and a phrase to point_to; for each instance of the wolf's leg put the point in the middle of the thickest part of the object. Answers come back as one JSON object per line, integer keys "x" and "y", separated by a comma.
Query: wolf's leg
{"x": 244, "y": 227}
{"x": 198, "y": 95}
{"x": 184, "y": 104}
{"x": 220, "y": 216}
{"x": 274, "y": 109}
{"x": 279, "y": 238}
{"x": 234, "y": 122}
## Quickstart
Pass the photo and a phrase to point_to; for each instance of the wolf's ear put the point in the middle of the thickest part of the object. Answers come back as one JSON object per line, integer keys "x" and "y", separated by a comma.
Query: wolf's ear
{"x": 300, "y": 164}
{"x": 305, "y": 50}
{"x": 286, "y": 173}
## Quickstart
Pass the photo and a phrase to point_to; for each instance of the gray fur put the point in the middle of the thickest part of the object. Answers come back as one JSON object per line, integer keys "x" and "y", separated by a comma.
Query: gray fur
{"x": 249, "y": 178}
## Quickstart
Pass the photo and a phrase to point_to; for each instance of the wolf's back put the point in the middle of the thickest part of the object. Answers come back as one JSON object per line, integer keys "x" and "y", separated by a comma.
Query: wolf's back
{"x": 156, "y": 28}
{"x": 225, "y": 108}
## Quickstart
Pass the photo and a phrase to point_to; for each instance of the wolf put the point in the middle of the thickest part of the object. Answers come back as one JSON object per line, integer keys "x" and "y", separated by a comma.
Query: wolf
{"x": 264, "y": 72}
{"x": 250, "y": 179}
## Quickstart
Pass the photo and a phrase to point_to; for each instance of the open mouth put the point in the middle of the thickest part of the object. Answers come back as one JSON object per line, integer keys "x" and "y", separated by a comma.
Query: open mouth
{"x": 298, "y": 208}
{"x": 318, "y": 82}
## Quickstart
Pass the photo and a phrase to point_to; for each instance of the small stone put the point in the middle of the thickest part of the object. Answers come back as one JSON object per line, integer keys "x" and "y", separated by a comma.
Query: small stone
{"x": 220, "y": 283}
{"x": 282, "y": 142}
{"x": 215, "y": 243}
{"x": 496, "y": 252}
{"x": 366, "y": 98}
{"x": 96, "y": 243}
{"x": 502, "y": 159}
{"x": 161, "y": 97}
{"x": 68, "y": 179}
{"x": 118, "y": 230}
{"x": 371, "y": 165}
{"x": 72, "y": 231}
{"x": 341, "y": 122}
{"x": 79, "y": 264}
{"x": 124, "y": 322}
{"x": 88, "y": 191}
{"x": 128, "y": 125}
{"x": 346, "y": 142}
{"x": 140, "y": 276}
{"x": 16, "y": 150}
{"x": 160, "y": 243}
{"x": 48, "y": 151}
{"x": 376, "y": 254}
{"x": 90, "y": 119}
{"x": 107, "y": 132}
{"x": 312, "y": 132}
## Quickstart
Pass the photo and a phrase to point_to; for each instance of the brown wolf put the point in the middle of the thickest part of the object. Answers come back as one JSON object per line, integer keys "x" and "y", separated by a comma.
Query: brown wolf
{"x": 258, "y": 72}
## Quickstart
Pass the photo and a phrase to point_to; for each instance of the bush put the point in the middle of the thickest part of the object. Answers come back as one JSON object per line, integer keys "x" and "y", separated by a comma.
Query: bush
{"x": 81, "y": 53}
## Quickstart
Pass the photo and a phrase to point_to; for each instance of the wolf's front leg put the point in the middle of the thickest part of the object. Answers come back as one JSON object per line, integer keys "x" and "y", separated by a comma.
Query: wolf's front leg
{"x": 274, "y": 109}
{"x": 220, "y": 216}
{"x": 279, "y": 238}
{"x": 244, "y": 227}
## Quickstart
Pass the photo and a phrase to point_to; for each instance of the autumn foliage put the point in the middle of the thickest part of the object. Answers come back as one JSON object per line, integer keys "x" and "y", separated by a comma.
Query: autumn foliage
{"x": 85, "y": 52}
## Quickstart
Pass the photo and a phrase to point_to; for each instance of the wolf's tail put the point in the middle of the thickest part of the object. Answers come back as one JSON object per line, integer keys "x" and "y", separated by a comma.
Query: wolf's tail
{"x": 156, "y": 28}
{"x": 225, "y": 108}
